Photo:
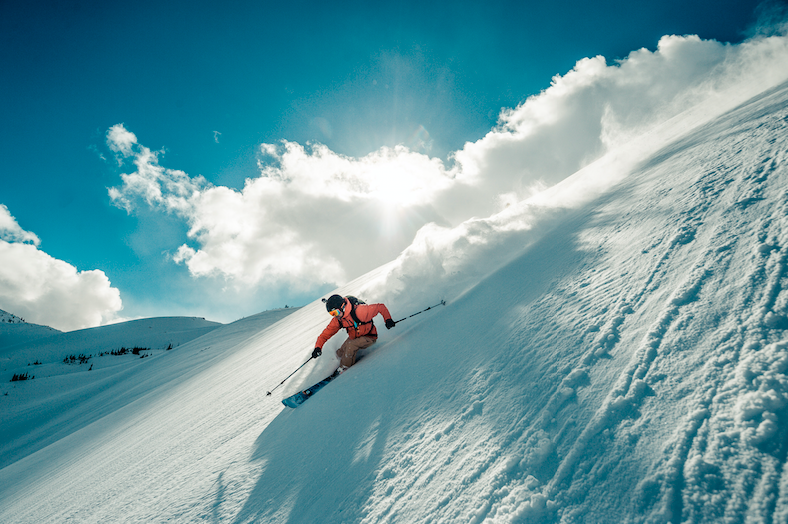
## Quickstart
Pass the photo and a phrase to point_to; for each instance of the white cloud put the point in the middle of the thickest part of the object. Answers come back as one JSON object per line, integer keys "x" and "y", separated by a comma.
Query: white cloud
{"x": 10, "y": 230}
{"x": 45, "y": 290}
{"x": 314, "y": 216}
{"x": 597, "y": 107}
{"x": 167, "y": 188}
{"x": 120, "y": 140}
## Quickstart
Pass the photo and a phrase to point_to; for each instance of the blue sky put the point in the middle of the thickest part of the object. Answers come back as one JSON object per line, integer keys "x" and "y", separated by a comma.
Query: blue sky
{"x": 205, "y": 84}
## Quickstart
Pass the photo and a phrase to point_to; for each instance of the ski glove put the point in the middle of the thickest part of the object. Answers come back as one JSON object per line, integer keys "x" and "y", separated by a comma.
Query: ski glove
{"x": 390, "y": 324}
{"x": 317, "y": 352}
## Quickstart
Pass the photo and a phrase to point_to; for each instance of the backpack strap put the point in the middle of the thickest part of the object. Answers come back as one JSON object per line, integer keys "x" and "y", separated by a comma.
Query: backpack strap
{"x": 357, "y": 321}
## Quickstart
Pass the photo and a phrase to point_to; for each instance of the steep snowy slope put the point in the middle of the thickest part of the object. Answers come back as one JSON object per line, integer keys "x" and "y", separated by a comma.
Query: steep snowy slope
{"x": 629, "y": 366}
{"x": 623, "y": 360}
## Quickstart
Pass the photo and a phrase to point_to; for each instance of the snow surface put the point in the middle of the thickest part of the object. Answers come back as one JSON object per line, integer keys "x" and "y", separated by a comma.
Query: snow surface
{"x": 71, "y": 368}
{"x": 14, "y": 330}
{"x": 622, "y": 359}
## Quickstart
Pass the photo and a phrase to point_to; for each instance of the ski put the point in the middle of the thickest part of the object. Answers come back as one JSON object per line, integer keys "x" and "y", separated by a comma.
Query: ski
{"x": 299, "y": 398}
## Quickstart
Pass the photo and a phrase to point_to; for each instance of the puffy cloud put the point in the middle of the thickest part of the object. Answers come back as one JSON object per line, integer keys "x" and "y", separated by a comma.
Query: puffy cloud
{"x": 10, "y": 230}
{"x": 120, "y": 140}
{"x": 48, "y": 291}
{"x": 169, "y": 188}
{"x": 314, "y": 216}
{"x": 598, "y": 107}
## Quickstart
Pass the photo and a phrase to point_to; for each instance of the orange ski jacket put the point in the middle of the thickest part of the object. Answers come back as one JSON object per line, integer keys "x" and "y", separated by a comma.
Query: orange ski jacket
{"x": 364, "y": 312}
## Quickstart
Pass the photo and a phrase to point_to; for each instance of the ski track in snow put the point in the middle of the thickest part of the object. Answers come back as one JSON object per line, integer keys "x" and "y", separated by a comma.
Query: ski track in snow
{"x": 630, "y": 365}
{"x": 678, "y": 488}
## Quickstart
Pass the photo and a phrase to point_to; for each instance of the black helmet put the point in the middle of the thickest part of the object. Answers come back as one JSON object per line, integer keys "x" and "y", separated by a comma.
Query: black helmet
{"x": 334, "y": 302}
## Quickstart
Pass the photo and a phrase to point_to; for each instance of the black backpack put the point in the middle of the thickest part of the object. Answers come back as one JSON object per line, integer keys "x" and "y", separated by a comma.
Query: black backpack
{"x": 353, "y": 303}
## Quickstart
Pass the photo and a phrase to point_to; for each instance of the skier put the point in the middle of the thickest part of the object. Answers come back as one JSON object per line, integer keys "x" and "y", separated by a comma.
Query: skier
{"x": 356, "y": 317}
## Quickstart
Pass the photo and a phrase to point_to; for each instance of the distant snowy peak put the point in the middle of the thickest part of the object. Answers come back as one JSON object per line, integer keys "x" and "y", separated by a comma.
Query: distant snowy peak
{"x": 9, "y": 318}
{"x": 16, "y": 330}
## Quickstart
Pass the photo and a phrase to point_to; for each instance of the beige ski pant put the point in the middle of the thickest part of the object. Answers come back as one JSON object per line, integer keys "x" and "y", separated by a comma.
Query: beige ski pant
{"x": 347, "y": 351}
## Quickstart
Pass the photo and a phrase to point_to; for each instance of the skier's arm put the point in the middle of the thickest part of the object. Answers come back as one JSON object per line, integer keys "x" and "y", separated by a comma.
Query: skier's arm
{"x": 383, "y": 310}
{"x": 331, "y": 329}
{"x": 369, "y": 311}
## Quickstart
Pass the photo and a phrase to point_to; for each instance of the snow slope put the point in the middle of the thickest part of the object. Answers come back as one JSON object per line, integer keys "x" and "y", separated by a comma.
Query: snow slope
{"x": 34, "y": 415}
{"x": 628, "y": 366}
{"x": 14, "y": 330}
{"x": 620, "y": 360}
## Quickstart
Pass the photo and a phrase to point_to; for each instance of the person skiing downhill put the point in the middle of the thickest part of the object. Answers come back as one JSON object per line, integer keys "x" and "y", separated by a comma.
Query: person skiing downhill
{"x": 356, "y": 317}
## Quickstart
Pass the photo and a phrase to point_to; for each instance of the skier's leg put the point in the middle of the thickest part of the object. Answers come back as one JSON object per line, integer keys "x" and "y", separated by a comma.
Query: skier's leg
{"x": 347, "y": 351}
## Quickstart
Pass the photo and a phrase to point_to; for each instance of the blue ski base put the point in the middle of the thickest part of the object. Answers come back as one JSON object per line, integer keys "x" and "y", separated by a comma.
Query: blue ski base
{"x": 299, "y": 398}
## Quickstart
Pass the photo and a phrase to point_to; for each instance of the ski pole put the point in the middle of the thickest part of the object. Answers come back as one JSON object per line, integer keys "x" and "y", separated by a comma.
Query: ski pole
{"x": 290, "y": 375}
{"x": 441, "y": 303}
